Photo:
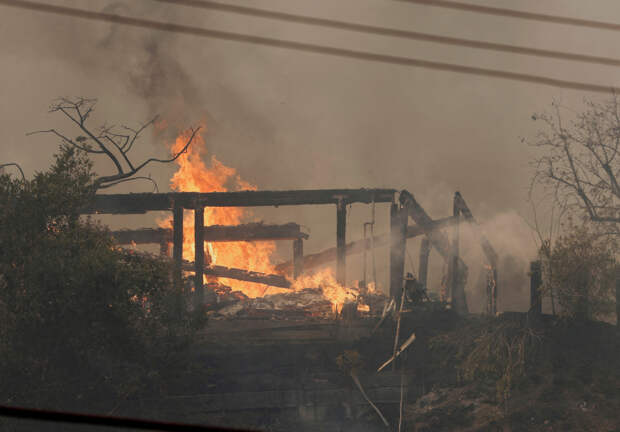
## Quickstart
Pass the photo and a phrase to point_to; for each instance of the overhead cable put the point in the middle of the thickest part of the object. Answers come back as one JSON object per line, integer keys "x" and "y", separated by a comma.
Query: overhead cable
{"x": 513, "y": 13}
{"x": 306, "y": 47}
{"x": 386, "y": 31}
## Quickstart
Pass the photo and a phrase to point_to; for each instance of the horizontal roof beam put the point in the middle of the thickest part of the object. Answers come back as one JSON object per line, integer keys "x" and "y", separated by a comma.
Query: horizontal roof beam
{"x": 216, "y": 233}
{"x": 144, "y": 202}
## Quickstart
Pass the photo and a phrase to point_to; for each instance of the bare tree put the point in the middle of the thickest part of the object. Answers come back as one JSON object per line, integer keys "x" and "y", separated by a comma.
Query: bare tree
{"x": 111, "y": 141}
{"x": 579, "y": 160}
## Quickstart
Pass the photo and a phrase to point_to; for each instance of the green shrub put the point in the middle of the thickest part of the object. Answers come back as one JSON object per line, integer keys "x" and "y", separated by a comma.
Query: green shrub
{"x": 79, "y": 316}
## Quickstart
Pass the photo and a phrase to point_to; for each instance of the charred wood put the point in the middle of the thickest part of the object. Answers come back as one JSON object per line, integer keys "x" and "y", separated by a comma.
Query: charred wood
{"x": 329, "y": 255}
{"x": 143, "y": 202}
{"x": 440, "y": 242}
{"x": 488, "y": 250}
{"x": 216, "y": 233}
{"x": 244, "y": 275}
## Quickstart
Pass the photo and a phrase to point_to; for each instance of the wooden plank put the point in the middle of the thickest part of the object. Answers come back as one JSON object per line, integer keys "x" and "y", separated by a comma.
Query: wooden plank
{"x": 328, "y": 256}
{"x": 253, "y": 232}
{"x": 424, "y": 221}
{"x": 341, "y": 243}
{"x": 244, "y": 275}
{"x": 439, "y": 241}
{"x": 177, "y": 246}
{"x": 298, "y": 258}
{"x": 457, "y": 284}
{"x": 425, "y": 250}
{"x": 216, "y": 233}
{"x": 199, "y": 261}
{"x": 398, "y": 237}
{"x": 143, "y": 202}
{"x": 488, "y": 250}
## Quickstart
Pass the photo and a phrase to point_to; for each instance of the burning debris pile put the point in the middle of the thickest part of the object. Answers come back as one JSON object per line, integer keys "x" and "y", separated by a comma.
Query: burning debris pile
{"x": 304, "y": 302}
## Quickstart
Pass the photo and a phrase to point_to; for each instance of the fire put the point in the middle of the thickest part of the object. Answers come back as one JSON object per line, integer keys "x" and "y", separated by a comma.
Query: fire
{"x": 332, "y": 290}
{"x": 194, "y": 175}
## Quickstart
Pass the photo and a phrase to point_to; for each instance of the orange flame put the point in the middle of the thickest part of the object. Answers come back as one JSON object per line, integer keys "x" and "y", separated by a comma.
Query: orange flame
{"x": 332, "y": 290}
{"x": 193, "y": 175}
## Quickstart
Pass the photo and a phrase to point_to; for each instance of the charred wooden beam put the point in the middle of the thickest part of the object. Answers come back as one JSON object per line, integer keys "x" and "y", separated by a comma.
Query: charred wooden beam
{"x": 177, "y": 246}
{"x": 244, "y": 275}
{"x": 439, "y": 242}
{"x": 457, "y": 284}
{"x": 143, "y": 202}
{"x": 341, "y": 243}
{"x": 298, "y": 258}
{"x": 328, "y": 256}
{"x": 424, "y": 221}
{"x": 199, "y": 261}
{"x": 216, "y": 233}
{"x": 488, "y": 250}
{"x": 398, "y": 241}
{"x": 253, "y": 232}
{"x": 425, "y": 250}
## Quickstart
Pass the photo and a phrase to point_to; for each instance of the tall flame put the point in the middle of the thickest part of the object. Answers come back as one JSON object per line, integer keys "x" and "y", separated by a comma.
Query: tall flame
{"x": 193, "y": 175}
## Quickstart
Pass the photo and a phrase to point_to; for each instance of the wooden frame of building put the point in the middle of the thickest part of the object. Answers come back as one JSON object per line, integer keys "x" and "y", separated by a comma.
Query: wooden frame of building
{"x": 177, "y": 202}
{"x": 197, "y": 201}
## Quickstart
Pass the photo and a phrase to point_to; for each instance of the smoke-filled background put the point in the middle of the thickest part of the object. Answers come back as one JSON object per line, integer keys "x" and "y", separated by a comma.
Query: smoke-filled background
{"x": 285, "y": 119}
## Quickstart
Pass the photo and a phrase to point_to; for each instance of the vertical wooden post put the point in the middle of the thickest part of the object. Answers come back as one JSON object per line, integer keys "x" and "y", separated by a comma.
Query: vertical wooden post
{"x": 298, "y": 257}
{"x": 177, "y": 246}
{"x": 535, "y": 283}
{"x": 199, "y": 256}
{"x": 425, "y": 250}
{"x": 454, "y": 260}
{"x": 364, "y": 282}
{"x": 398, "y": 239}
{"x": 341, "y": 242}
{"x": 456, "y": 266}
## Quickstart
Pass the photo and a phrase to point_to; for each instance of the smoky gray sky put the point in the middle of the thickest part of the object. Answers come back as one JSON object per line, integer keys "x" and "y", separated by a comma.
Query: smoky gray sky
{"x": 287, "y": 119}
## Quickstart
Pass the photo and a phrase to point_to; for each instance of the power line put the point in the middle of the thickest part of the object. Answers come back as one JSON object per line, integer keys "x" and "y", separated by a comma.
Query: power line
{"x": 306, "y": 47}
{"x": 384, "y": 31}
{"x": 512, "y": 13}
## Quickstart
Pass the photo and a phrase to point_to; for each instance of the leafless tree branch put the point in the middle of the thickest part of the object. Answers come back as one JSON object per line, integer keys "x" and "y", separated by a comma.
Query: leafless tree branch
{"x": 579, "y": 159}
{"x": 114, "y": 143}
{"x": 155, "y": 187}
